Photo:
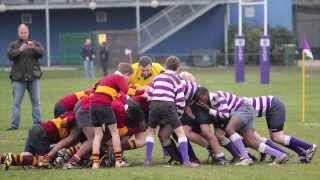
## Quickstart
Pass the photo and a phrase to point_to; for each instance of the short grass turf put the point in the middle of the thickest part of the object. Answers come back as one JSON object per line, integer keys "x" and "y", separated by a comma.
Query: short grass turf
{"x": 285, "y": 83}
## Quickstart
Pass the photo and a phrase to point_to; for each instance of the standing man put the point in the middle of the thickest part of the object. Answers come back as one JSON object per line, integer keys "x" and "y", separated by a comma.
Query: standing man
{"x": 25, "y": 74}
{"x": 88, "y": 57}
{"x": 104, "y": 57}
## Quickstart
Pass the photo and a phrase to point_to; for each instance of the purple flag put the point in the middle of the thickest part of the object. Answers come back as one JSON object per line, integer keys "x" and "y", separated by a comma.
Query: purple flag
{"x": 306, "y": 48}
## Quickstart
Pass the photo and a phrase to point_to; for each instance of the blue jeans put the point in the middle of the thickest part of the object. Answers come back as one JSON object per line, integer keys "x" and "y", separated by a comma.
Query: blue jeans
{"x": 89, "y": 70}
{"x": 34, "y": 94}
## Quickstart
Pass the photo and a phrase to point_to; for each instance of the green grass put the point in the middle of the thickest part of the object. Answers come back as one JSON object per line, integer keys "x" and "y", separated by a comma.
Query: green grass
{"x": 285, "y": 83}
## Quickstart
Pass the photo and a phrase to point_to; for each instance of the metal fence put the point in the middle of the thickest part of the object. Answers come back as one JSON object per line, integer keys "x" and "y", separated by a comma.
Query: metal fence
{"x": 206, "y": 58}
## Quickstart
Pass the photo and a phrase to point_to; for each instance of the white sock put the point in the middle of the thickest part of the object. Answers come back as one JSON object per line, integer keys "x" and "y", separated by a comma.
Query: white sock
{"x": 287, "y": 140}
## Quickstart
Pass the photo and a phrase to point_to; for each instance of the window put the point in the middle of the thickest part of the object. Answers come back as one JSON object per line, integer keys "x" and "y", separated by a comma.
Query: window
{"x": 249, "y": 12}
{"x": 26, "y": 18}
{"x": 101, "y": 16}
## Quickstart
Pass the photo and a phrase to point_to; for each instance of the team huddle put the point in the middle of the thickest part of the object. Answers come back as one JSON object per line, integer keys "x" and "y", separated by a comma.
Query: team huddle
{"x": 127, "y": 109}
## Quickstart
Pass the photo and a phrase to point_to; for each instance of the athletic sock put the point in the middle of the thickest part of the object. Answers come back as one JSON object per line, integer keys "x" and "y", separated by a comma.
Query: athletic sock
{"x": 183, "y": 148}
{"x": 263, "y": 148}
{"x": 220, "y": 156}
{"x": 291, "y": 145}
{"x": 23, "y": 160}
{"x": 73, "y": 150}
{"x": 273, "y": 145}
{"x": 2, "y": 158}
{"x": 149, "y": 148}
{"x": 172, "y": 150}
{"x": 297, "y": 142}
{"x": 237, "y": 141}
{"x": 192, "y": 155}
{"x": 96, "y": 158}
{"x": 118, "y": 155}
{"x": 231, "y": 148}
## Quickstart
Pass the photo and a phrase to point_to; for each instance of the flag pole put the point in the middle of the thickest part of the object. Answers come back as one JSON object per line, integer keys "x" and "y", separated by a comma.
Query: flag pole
{"x": 303, "y": 88}
{"x": 130, "y": 58}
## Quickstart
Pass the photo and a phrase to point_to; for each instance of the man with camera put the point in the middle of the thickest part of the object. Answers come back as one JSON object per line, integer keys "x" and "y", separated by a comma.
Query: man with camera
{"x": 25, "y": 74}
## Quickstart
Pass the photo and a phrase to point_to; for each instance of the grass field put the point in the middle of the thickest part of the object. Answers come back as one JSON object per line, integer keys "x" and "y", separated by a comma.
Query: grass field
{"x": 285, "y": 83}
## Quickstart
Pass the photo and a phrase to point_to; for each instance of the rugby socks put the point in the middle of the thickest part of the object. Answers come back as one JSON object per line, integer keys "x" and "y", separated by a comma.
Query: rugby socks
{"x": 293, "y": 144}
{"x": 297, "y": 142}
{"x": 128, "y": 145}
{"x": 23, "y": 160}
{"x": 231, "y": 148}
{"x": 118, "y": 155}
{"x": 220, "y": 157}
{"x": 237, "y": 141}
{"x": 2, "y": 158}
{"x": 192, "y": 155}
{"x": 183, "y": 148}
{"x": 96, "y": 159}
{"x": 263, "y": 148}
{"x": 73, "y": 150}
{"x": 149, "y": 148}
{"x": 273, "y": 145}
{"x": 172, "y": 150}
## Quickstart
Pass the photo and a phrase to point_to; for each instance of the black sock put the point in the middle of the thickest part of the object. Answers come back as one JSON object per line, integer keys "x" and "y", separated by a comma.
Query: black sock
{"x": 173, "y": 151}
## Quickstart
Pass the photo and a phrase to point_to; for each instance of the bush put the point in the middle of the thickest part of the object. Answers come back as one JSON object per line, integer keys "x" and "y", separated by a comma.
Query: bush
{"x": 278, "y": 36}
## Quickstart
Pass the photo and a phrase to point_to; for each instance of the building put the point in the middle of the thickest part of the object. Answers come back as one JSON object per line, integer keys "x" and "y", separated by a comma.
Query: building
{"x": 166, "y": 26}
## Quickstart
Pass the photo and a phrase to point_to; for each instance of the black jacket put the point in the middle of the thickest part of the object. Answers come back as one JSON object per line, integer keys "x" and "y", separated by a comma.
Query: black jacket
{"x": 25, "y": 66}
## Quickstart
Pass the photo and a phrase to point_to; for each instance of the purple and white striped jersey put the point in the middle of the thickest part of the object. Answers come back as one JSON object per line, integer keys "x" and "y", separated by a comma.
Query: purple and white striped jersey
{"x": 223, "y": 104}
{"x": 261, "y": 104}
{"x": 190, "y": 89}
{"x": 168, "y": 87}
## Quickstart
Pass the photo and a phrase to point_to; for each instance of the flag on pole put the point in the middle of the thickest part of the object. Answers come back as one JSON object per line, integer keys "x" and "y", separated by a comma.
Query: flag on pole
{"x": 306, "y": 54}
{"x": 306, "y": 48}
{"x": 127, "y": 51}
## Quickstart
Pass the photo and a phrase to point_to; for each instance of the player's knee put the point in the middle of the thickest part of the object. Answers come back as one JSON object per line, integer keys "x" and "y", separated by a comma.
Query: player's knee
{"x": 179, "y": 132}
{"x": 219, "y": 136}
{"x": 163, "y": 136}
{"x": 229, "y": 131}
{"x": 276, "y": 137}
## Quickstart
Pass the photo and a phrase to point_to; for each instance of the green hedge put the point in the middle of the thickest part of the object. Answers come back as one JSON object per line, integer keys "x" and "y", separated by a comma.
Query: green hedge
{"x": 278, "y": 36}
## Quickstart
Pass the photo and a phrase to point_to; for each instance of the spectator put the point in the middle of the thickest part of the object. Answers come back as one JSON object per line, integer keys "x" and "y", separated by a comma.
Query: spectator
{"x": 88, "y": 59}
{"x": 25, "y": 74}
{"x": 104, "y": 57}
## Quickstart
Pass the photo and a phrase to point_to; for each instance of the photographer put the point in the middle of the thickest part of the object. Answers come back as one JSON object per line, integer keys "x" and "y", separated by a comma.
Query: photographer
{"x": 25, "y": 74}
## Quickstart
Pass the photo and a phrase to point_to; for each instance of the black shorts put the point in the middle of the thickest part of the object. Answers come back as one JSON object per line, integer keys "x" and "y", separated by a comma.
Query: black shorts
{"x": 202, "y": 116}
{"x": 276, "y": 116}
{"x": 102, "y": 114}
{"x": 59, "y": 109}
{"x": 220, "y": 123}
{"x": 134, "y": 114}
{"x": 83, "y": 119}
{"x": 188, "y": 121}
{"x": 37, "y": 142}
{"x": 163, "y": 113}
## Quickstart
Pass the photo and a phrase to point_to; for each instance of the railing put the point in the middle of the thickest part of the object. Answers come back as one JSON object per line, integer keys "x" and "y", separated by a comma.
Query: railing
{"x": 100, "y": 2}
{"x": 170, "y": 20}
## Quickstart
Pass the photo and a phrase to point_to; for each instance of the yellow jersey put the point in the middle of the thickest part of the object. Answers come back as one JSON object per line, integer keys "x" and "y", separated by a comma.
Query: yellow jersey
{"x": 137, "y": 80}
